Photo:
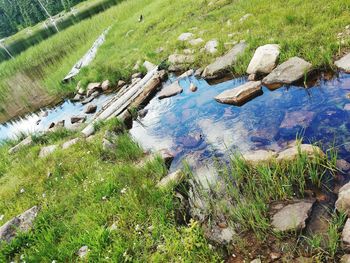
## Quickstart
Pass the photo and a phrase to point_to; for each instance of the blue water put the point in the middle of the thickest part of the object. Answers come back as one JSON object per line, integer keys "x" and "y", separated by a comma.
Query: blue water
{"x": 195, "y": 126}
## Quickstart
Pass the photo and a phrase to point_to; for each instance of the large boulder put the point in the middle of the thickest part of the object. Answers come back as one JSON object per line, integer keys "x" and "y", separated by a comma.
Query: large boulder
{"x": 290, "y": 217}
{"x": 294, "y": 152}
{"x": 222, "y": 64}
{"x": 78, "y": 118}
{"x": 264, "y": 59}
{"x": 22, "y": 223}
{"x": 343, "y": 202}
{"x": 288, "y": 72}
{"x": 240, "y": 94}
{"x": 171, "y": 90}
{"x": 106, "y": 85}
{"x": 26, "y": 142}
{"x": 344, "y": 63}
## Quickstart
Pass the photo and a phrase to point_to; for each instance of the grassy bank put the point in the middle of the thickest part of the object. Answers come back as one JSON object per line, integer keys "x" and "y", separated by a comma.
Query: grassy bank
{"x": 293, "y": 25}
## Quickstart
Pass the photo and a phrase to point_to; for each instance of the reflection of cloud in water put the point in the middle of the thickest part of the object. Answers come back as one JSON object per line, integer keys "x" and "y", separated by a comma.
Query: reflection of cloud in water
{"x": 224, "y": 137}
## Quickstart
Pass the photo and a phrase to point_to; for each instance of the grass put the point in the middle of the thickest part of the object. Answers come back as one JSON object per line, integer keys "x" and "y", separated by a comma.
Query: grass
{"x": 299, "y": 31}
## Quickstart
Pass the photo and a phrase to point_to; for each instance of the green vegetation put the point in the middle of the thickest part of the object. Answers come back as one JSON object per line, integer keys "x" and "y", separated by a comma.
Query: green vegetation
{"x": 299, "y": 31}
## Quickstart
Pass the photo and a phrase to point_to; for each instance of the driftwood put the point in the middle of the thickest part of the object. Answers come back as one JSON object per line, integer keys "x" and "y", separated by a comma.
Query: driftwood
{"x": 134, "y": 95}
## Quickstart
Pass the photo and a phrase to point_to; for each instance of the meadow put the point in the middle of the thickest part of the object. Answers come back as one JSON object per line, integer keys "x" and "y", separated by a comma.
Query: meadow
{"x": 33, "y": 79}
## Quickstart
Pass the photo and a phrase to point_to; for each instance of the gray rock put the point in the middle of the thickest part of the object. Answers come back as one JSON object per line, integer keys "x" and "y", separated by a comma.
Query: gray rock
{"x": 343, "y": 202}
{"x": 193, "y": 87}
{"x": 92, "y": 87}
{"x": 211, "y": 46}
{"x": 185, "y": 36}
{"x": 172, "y": 179}
{"x": 70, "y": 143}
{"x": 108, "y": 146}
{"x": 264, "y": 59}
{"x": 171, "y": 90}
{"x": 177, "y": 59}
{"x": 257, "y": 260}
{"x": 91, "y": 108}
{"x": 142, "y": 113}
{"x": 288, "y": 72}
{"x": 47, "y": 150}
{"x": 87, "y": 100}
{"x": 106, "y": 85}
{"x": 344, "y": 63}
{"x": 221, "y": 236}
{"x": 345, "y": 259}
{"x": 121, "y": 83}
{"x": 83, "y": 251}
{"x": 346, "y": 235}
{"x": 26, "y": 142}
{"x": 240, "y": 94}
{"x": 343, "y": 165}
{"x": 95, "y": 94}
{"x": 137, "y": 75}
{"x": 22, "y": 223}
{"x": 292, "y": 216}
{"x": 222, "y": 64}
{"x": 259, "y": 157}
{"x": 196, "y": 42}
{"x": 76, "y": 119}
{"x": 149, "y": 66}
{"x": 292, "y": 153}
{"x": 77, "y": 97}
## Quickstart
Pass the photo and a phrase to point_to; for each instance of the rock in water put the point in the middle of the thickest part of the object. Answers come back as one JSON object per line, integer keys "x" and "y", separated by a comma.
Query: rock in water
{"x": 344, "y": 63}
{"x": 222, "y": 64}
{"x": 264, "y": 59}
{"x": 292, "y": 216}
{"x": 240, "y": 94}
{"x": 47, "y": 150}
{"x": 22, "y": 223}
{"x": 343, "y": 202}
{"x": 288, "y": 72}
{"x": 90, "y": 109}
{"x": 171, "y": 90}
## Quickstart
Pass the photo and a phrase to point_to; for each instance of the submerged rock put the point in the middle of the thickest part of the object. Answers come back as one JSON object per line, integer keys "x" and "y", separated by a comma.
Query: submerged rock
{"x": 26, "y": 142}
{"x": 292, "y": 216}
{"x": 222, "y": 64}
{"x": 174, "y": 178}
{"x": 240, "y": 94}
{"x": 171, "y": 90}
{"x": 47, "y": 150}
{"x": 288, "y": 72}
{"x": 264, "y": 59}
{"x": 344, "y": 63}
{"x": 297, "y": 118}
{"x": 22, "y": 223}
{"x": 292, "y": 153}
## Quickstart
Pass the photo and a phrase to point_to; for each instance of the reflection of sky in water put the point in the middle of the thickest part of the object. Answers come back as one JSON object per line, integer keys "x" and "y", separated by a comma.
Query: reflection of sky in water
{"x": 268, "y": 121}
{"x": 29, "y": 124}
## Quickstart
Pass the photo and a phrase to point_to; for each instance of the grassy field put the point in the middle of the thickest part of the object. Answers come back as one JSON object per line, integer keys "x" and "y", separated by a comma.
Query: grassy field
{"x": 293, "y": 25}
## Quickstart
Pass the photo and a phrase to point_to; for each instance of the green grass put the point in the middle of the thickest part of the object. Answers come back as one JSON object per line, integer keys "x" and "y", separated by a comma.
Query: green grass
{"x": 293, "y": 25}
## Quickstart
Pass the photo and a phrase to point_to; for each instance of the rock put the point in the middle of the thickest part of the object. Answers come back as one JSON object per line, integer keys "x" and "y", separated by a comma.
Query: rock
{"x": 106, "y": 85}
{"x": 252, "y": 77}
{"x": 121, "y": 83}
{"x": 70, "y": 143}
{"x": 137, "y": 75}
{"x": 91, "y": 108}
{"x": 47, "y": 150}
{"x": 292, "y": 216}
{"x": 274, "y": 256}
{"x": 198, "y": 72}
{"x": 108, "y": 146}
{"x": 171, "y": 90}
{"x": 92, "y": 87}
{"x": 259, "y": 157}
{"x": 301, "y": 118}
{"x": 196, "y": 42}
{"x": 177, "y": 59}
{"x": 211, "y": 46}
{"x": 292, "y": 153}
{"x": 77, "y": 97}
{"x": 166, "y": 156}
{"x": 142, "y": 113}
{"x": 343, "y": 202}
{"x": 264, "y": 59}
{"x": 193, "y": 87}
{"x": 346, "y": 235}
{"x": 83, "y": 251}
{"x": 345, "y": 259}
{"x": 149, "y": 66}
{"x": 288, "y": 72}
{"x": 240, "y": 94}
{"x": 26, "y": 142}
{"x": 221, "y": 236}
{"x": 343, "y": 165}
{"x": 95, "y": 94}
{"x": 223, "y": 63}
{"x": 172, "y": 179}
{"x": 186, "y": 74}
{"x": 87, "y": 100}
{"x": 81, "y": 91}
{"x": 19, "y": 224}
{"x": 257, "y": 260}
{"x": 185, "y": 37}
{"x": 344, "y": 63}
{"x": 76, "y": 119}
{"x": 245, "y": 17}
{"x": 188, "y": 51}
